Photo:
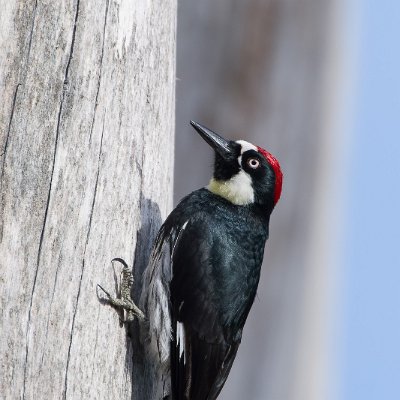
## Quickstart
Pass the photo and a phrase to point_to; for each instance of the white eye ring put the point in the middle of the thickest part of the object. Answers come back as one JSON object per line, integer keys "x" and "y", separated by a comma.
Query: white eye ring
{"x": 253, "y": 163}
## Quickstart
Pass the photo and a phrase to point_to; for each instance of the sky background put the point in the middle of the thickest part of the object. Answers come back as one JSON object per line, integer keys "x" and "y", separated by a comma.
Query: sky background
{"x": 369, "y": 365}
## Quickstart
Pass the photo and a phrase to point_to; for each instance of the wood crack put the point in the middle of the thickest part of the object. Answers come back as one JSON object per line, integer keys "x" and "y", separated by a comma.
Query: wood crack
{"x": 72, "y": 332}
{"x": 100, "y": 73}
{"x": 48, "y": 202}
{"x": 4, "y": 153}
{"x": 83, "y": 267}
{"x": 95, "y": 188}
{"x": 71, "y": 52}
{"x": 11, "y": 119}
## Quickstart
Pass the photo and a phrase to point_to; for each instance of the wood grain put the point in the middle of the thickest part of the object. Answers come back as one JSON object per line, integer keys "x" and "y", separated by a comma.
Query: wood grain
{"x": 86, "y": 145}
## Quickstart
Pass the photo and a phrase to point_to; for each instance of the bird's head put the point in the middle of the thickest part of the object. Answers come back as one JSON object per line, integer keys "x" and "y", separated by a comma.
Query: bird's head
{"x": 243, "y": 173}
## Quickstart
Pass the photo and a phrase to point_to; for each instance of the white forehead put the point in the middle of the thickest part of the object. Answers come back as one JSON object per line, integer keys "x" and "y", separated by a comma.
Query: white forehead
{"x": 246, "y": 146}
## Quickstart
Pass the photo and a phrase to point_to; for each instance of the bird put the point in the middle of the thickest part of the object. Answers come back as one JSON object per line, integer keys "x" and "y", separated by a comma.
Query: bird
{"x": 204, "y": 269}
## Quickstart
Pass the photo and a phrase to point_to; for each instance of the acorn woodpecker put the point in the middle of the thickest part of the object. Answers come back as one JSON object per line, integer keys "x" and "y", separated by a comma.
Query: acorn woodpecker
{"x": 204, "y": 269}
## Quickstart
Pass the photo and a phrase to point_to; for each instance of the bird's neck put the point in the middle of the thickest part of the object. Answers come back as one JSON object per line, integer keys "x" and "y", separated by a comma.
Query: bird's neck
{"x": 238, "y": 190}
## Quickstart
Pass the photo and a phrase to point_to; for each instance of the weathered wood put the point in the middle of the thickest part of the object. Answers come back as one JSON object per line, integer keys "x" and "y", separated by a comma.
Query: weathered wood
{"x": 86, "y": 145}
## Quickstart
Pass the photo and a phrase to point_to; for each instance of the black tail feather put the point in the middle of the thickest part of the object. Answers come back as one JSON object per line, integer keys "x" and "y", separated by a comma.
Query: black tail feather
{"x": 201, "y": 372}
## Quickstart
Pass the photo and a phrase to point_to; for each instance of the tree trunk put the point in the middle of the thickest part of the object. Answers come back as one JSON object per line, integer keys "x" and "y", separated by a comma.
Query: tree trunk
{"x": 87, "y": 122}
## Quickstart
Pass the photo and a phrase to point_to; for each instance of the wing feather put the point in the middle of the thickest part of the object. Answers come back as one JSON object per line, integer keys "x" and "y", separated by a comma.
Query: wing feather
{"x": 198, "y": 288}
{"x": 200, "y": 370}
{"x": 155, "y": 297}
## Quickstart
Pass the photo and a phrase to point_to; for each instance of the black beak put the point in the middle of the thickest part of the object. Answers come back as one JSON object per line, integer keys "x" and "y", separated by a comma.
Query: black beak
{"x": 217, "y": 142}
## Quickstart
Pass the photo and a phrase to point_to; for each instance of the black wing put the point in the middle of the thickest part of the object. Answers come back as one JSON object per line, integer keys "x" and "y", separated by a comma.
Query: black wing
{"x": 201, "y": 281}
{"x": 203, "y": 346}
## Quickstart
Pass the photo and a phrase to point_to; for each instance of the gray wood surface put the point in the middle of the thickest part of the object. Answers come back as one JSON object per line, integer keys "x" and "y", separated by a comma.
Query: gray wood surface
{"x": 86, "y": 157}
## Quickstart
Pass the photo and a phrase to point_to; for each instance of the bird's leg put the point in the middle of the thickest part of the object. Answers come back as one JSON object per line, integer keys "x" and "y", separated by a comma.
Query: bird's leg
{"x": 124, "y": 301}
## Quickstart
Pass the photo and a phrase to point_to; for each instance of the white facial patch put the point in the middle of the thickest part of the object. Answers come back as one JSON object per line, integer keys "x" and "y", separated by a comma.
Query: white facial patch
{"x": 238, "y": 190}
{"x": 245, "y": 147}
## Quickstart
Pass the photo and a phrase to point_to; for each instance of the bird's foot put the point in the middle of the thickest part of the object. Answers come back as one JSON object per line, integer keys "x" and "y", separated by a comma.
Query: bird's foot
{"x": 123, "y": 301}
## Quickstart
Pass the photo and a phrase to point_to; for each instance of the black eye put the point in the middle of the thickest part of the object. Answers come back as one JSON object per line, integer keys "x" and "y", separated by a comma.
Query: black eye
{"x": 253, "y": 163}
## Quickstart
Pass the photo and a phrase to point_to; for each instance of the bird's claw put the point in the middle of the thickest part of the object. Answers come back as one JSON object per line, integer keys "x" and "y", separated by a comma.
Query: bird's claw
{"x": 123, "y": 301}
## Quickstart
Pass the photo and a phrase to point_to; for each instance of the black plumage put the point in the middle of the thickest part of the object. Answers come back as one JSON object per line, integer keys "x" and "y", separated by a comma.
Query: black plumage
{"x": 214, "y": 244}
{"x": 215, "y": 272}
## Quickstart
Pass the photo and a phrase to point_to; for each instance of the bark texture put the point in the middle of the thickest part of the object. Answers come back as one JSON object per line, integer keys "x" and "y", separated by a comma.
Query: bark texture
{"x": 86, "y": 156}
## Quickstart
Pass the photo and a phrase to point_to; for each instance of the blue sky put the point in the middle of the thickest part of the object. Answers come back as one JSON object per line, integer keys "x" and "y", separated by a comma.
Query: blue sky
{"x": 370, "y": 364}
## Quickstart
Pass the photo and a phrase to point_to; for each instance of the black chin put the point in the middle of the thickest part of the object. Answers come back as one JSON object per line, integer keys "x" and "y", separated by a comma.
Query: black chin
{"x": 225, "y": 168}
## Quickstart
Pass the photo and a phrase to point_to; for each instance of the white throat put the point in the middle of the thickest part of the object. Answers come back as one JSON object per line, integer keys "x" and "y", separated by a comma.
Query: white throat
{"x": 238, "y": 190}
